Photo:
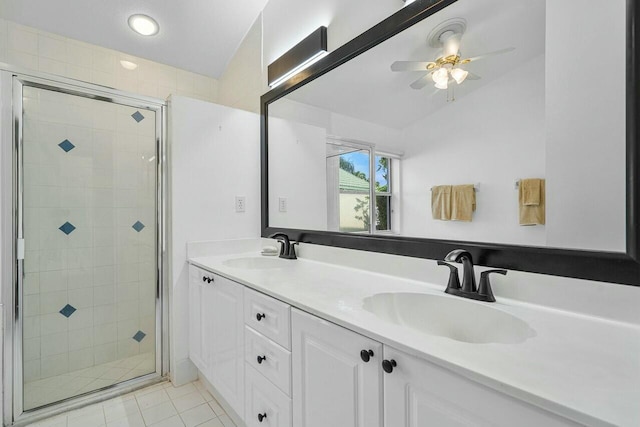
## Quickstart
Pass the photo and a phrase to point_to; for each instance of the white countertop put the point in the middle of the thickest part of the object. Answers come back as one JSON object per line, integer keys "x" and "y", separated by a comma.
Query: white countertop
{"x": 584, "y": 368}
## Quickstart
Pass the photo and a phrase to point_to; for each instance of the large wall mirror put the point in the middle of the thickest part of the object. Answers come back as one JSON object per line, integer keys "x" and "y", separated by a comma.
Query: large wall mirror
{"x": 434, "y": 130}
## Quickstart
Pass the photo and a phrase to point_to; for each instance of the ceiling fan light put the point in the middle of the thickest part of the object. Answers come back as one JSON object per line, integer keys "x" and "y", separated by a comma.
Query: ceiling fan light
{"x": 459, "y": 75}
{"x": 442, "y": 84}
{"x": 441, "y": 76}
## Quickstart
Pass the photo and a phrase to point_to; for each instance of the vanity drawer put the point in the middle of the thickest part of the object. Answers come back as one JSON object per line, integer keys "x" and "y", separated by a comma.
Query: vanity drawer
{"x": 198, "y": 275}
{"x": 263, "y": 398}
{"x": 276, "y": 365}
{"x": 270, "y": 317}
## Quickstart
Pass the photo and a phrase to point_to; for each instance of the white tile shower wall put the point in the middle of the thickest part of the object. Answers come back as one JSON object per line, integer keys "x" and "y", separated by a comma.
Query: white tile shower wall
{"x": 43, "y": 51}
{"x": 89, "y": 233}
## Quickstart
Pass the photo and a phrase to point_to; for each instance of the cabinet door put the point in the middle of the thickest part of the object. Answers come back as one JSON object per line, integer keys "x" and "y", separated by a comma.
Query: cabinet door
{"x": 196, "y": 321}
{"x": 332, "y": 385}
{"x": 420, "y": 394}
{"x": 225, "y": 312}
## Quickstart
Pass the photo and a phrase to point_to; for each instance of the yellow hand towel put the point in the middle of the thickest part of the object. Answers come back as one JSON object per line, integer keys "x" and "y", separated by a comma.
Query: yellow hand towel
{"x": 463, "y": 202}
{"x": 532, "y": 214}
{"x": 530, "y": 190}
{"x": 441, "y": 202}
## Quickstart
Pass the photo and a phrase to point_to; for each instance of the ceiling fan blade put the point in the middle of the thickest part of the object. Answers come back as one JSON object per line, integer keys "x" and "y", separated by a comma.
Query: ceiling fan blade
{"x": 472, "y": 76}
{"x": 422, "y": 81}
{"x": 412, "y": 66}
{"x": 497, "y": 52}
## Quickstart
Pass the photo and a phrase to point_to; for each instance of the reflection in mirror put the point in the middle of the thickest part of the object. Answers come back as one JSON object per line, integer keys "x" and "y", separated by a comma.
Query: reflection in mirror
{"x": 486, "y": 93}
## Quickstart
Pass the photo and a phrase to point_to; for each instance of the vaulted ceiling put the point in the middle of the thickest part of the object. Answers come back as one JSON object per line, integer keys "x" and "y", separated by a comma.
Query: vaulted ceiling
{"x": 197, "y": 35}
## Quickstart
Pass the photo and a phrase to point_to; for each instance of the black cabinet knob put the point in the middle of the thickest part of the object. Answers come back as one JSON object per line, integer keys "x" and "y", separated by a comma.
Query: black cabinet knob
{"x": 388, "y": 365}
{"x": 204, "y": 278}
{"x": 366, "y": 355}
{"x": 207, "y": 279}
{"x": 261, "y": 359}
{"x": 260, "y": 316}
{"x": 261, "y": 417}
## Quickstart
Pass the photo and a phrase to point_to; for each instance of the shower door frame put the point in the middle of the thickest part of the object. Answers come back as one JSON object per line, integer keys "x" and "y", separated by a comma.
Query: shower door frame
{"x": 13, "y": 248}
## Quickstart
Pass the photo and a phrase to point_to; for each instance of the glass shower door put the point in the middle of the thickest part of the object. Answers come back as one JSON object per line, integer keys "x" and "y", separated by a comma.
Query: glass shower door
{"x": 88, "y": 294}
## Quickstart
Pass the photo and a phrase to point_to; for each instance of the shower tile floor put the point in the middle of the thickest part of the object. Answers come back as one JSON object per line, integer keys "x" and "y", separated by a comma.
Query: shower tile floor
{"x": 53, "y": 389}
{"x": 160, "y": 405}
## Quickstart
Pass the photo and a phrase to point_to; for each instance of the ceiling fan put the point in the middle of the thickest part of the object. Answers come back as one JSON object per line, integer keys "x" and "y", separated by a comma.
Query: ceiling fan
{"x": 446, "y": 68}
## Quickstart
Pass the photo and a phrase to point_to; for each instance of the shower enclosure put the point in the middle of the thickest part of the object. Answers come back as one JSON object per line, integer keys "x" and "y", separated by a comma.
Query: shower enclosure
{"x": 85, "y": 307}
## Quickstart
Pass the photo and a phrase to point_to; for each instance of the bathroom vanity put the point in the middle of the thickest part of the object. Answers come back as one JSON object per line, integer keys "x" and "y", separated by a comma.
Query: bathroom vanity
{"x": 307, "y": 343}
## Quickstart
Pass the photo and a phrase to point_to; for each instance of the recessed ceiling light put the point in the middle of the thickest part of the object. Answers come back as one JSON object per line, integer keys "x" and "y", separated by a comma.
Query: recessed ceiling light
{"x": 128, "y": 65}
{"x": 143, "y": 24}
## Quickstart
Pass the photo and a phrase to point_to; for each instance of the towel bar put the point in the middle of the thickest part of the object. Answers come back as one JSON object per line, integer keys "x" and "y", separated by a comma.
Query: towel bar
{"x": 476, "y": 188}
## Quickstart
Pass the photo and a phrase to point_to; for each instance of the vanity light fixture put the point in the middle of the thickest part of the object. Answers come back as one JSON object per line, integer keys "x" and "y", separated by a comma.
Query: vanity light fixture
{"x": 143, "y": 24}
{"x": 301, "y": 56}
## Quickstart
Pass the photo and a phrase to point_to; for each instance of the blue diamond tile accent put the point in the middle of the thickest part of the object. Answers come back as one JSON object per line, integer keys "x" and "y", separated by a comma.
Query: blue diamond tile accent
{"x": 67, "y": 310}
{"x": 67, "y": 228}
{"x": 138, "y": 226}
{"x": 137, "y": 116}
{"x": 139, "y": 336}
{"x": 66, "y": 145}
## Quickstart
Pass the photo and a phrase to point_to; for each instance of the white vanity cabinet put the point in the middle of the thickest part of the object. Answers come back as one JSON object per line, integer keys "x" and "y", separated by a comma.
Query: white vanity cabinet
{"x": 418, "y": 393}
{"x": 216, "y": 335}
{"x": 278, "y": 366}
{"x": 332, "y": 384}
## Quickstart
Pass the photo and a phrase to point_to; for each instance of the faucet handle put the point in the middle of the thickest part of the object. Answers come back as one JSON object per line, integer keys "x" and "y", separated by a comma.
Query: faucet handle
{"x": 292, "y": 250}
{"x": 484, "y": 288}
{"x": 454, "y": 282}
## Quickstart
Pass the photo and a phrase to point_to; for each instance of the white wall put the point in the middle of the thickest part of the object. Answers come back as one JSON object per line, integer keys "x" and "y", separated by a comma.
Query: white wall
{"x": 585, "y": 117}
{"x": 215, "y": 156}
{"x": 298, "y": 174}
{"x": 491, "y": 136}
{"x": 337, "y": 125}
{"x": 244, "y": 80}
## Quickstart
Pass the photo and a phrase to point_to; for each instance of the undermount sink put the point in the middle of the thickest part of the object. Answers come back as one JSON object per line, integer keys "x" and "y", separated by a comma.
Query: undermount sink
{"x": 256, "y": 263}
{"x": 451, "y": 317}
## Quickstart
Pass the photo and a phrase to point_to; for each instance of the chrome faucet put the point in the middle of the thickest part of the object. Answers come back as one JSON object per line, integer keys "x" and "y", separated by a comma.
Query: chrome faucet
{"x": 468, "y": 288}
{"x": 287, "y": 248}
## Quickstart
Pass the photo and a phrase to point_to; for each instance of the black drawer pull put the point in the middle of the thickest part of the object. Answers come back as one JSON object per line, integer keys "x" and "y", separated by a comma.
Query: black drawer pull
{"x": 388, "y": 365}
{"x": 261, "y": 417}
{"x": 261, "y": 359}
{"x": 207, "y": 279}
{"x": 366, "y": 355}
{"x": 260, "y": 316}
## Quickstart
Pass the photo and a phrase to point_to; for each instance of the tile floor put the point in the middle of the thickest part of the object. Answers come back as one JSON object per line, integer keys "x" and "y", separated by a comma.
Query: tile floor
{"x": 53, "y": 389}
{"x": 160, "y": 405}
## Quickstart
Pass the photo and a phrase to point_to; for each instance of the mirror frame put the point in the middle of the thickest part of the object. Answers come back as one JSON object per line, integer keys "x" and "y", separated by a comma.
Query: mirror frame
{"x": 614, "y": 267}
